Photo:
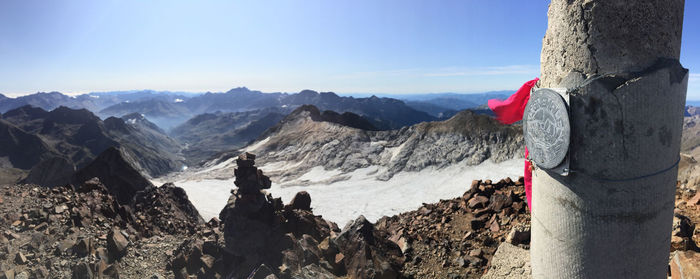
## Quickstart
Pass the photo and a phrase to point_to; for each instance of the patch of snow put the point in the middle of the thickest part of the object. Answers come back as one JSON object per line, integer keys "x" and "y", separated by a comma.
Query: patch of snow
{"x": 94, "y": 96}
{"x": 131, "y": 121}
{"x": 208, "y": 196}
{"x": 361, "y": 194}
{"x": 396, "y": 150}
{"x": 284, "y": 106}
{"x": 257, "y": 145}
{"x": 317, "y": 174}
{"x": 218, "y": 166}
{"x": 280, "y": 166}
{"x": 179, "y": 100}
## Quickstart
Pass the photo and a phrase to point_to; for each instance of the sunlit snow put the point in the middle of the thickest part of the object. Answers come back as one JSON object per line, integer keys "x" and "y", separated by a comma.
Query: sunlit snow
{"x": 343, "y": 201}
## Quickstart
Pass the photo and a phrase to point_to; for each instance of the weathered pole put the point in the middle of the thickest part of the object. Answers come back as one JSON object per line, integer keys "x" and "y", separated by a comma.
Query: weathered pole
{"x": 612, "y": 216}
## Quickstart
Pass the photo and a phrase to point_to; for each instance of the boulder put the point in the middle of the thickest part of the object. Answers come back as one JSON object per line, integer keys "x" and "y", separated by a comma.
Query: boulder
{"x": 82, "y": 271}
{"x": 366, "y": 253}
{"x": 685, "y": 265}
{"x": 519, "y": 234}
{"x": 116, "y": 244}
{"x": 302, "y": 200}
{"x": 509, "y": 261}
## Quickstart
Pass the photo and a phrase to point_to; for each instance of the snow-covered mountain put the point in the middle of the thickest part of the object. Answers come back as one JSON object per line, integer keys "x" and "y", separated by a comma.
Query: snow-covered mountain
{"x": 355, "y": 171}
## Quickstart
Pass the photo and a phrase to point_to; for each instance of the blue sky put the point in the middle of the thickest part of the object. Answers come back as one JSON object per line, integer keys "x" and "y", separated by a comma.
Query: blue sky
{"x": 357, "y": 46}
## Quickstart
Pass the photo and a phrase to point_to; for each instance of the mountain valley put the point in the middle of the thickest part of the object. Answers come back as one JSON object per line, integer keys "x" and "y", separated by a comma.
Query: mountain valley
{"x": 388, "y": 191}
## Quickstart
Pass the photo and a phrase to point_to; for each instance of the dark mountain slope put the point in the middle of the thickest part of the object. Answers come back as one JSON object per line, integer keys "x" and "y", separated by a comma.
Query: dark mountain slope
{"x": 165, "y": 113}
{"x": 210, "y": 133}
{"x": 116, "y": 172}
{"x": 79, "y": 136}
{"x": 23, "y": 150}
{"x": 155, "y": 153}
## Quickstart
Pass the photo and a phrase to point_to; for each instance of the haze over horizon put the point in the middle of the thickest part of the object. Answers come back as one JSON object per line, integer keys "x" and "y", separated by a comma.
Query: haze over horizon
{"x": 387, "y": 47}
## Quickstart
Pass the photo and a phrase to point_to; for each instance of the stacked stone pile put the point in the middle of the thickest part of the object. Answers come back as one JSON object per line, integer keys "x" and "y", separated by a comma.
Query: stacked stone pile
{"x": 259, "y": 237}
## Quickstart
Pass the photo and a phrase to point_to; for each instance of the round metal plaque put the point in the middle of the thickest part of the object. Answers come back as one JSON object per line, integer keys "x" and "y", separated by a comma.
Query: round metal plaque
{"x": 546, "y": 128}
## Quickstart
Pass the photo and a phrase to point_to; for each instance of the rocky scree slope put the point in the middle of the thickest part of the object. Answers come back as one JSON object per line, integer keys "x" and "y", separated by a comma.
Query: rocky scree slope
{"x": 258, "y": 236}
{"x": 86, "y": 233}
{"x": 303, "y": 140}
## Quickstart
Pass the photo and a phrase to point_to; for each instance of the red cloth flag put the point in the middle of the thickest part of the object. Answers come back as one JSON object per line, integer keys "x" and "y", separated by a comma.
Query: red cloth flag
{"x": 510, "y": 111}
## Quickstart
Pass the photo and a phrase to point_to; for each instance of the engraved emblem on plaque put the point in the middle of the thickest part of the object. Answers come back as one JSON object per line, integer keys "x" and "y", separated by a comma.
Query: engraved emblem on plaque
{"x": 546, "y": 128}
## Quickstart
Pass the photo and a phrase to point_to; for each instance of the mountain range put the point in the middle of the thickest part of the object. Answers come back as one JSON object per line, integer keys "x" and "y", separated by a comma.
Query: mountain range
{"x": 341, "y": 144}
{"x": 43, "y": 142}
{"x": 170, "y": 109}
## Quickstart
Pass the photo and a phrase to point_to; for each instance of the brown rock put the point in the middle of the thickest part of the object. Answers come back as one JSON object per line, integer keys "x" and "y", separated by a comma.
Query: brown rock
{"x": 682, "y": 226}
{"x": 519, "y": 234}
{"x": 116, "y": 244}
{"x": 60, "y": 209}
{"x": 102, "y": 254}
{"x": 302, "y": 200}
{"x": 499, "y": 201}
{"x": 7, "y": 274}
{"x": 41, "y": 226}
{"x": 475, "y": 184}
{"x": 478, "y": 223}
{"x": 478, "y": 201}
{"x": 495, "y": 227}
{"x": 20, "y": 258}
{"x": 83, "y": 247}
{"x": 82, "y": 271}
{"x": 179, "y": 261}
{"x": 207, "y": 261}
{"x": 685, "y": 265}
{"x": 263, "y": 272}
{"x": 695, "y": 200}
{"x": 476, "y": 253}
{"x": 111, "y": 271}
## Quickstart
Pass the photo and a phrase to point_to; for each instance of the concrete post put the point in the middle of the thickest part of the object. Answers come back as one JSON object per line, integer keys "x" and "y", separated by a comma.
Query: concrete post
{"x": 612, "y": 216}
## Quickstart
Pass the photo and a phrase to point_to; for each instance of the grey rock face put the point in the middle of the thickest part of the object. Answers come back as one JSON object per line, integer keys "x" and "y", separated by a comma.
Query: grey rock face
{"x": 466, "y": 138}
{"x": 509, "y": 262}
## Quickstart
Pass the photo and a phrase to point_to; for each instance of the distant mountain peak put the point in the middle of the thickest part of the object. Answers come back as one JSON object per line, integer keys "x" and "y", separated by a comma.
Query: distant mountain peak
{"x": 26, "y": 111}
{"x": 308, "y": 92}
{"x": 346, "y": 119}
{"x": 239, "y": 90}
{"x": 63, "y": 114}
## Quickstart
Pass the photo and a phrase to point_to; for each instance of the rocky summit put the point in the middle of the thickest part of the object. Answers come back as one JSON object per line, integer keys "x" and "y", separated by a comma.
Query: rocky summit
{"x": 259, "y": 236}
{"x": 85, "y": 231}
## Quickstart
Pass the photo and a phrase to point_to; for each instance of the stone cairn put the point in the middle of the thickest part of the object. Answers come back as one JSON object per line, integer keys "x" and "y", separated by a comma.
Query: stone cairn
{"x": 250, "y": 182}
{"x": 249, "y": 214}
